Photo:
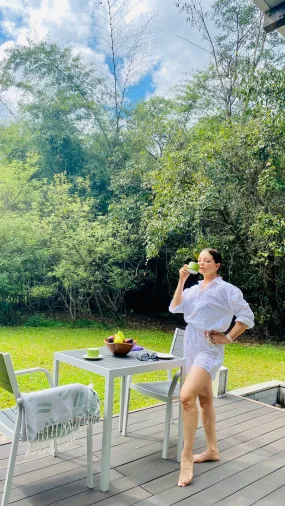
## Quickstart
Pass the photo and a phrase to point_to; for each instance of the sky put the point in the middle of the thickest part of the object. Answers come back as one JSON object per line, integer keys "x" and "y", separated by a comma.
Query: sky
{"x": 81, "y": 24}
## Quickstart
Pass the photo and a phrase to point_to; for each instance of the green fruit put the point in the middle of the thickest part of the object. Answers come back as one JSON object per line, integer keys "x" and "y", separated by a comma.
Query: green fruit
{"x": 118, "y": 339}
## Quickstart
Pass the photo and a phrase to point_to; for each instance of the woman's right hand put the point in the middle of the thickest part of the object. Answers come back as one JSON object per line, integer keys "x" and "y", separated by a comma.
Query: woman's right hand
{"x": 184, "y": 273}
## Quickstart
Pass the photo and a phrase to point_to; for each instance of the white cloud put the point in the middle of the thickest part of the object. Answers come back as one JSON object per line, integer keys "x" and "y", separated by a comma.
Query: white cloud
{"x": 11, "y": 4}
{"x": 70, "y": 22}
{"x": 3, "y": 48}
{"x": 175, "y": 57}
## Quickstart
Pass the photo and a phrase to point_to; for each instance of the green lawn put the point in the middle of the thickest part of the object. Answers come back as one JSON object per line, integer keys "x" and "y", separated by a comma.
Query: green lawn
{"x": 31, "y": 347}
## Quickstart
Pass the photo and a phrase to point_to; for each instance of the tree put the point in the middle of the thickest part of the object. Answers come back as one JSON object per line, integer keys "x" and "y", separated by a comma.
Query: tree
{"x": 102, "y": 202}
{"x": 24, "y": 258}
{"x": 64, "y": 113}
{"x": 238, "y": 48}
{"x": 227, "y": 189}
{"x": 49, "y": 74}
{"x": 125, "y": 40}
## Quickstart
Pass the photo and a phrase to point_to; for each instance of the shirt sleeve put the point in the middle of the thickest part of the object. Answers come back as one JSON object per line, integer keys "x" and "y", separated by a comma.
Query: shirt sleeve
{"x": 180, "y": 307}
{"x": 240, "y": 307}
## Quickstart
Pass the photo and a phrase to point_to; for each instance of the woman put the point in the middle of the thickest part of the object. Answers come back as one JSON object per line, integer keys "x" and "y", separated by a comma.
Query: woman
{"x": 208, "y": 309}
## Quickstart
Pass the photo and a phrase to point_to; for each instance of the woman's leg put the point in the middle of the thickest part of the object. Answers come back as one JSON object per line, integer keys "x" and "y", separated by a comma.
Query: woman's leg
{"x": 209, "y": 422}
{"x": 197, "y": 380}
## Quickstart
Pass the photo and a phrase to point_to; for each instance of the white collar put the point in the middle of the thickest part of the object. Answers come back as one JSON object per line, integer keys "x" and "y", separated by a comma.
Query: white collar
{"x": 218, "y": 280}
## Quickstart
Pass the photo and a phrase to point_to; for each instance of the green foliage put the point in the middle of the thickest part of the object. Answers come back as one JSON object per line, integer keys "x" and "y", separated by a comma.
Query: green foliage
{"x": 101, "y": 204}
{"x": 215, "y": 193}
{"x": 38, "y": 320}
{"x": 239, "y": 50}
{"x": 64, "y": 96}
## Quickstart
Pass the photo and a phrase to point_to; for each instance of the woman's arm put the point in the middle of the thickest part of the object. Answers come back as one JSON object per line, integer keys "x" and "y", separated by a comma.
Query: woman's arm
{"x": 243, "y": 313}
{"x": 178, "y": 295}
{"x": 220, "y": 338}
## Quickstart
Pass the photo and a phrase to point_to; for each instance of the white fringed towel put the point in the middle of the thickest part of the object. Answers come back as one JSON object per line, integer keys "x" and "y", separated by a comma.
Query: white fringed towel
{"x": 56, "y": 413}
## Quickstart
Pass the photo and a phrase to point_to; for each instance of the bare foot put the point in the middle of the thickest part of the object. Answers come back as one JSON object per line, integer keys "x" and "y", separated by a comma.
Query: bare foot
{"x": 207, "y": 456}
{"x": 186, "y": 471}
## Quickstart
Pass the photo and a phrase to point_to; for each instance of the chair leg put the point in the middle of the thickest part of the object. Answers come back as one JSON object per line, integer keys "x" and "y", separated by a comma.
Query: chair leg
{"x": 126, "y": 405}
{"x": 167, "y": 428}
{"x": 122, "y": 402}
{"x": 12, "y": 460}
{"x": 90, "y": 483}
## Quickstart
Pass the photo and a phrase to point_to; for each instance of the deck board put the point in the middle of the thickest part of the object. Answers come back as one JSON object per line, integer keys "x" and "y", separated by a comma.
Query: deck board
{"x": 251, "y": 469}
{"x": 273, "y": 499}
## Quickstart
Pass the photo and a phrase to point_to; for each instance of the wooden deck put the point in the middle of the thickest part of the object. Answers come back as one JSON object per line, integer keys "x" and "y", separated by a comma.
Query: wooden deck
{"x": 251, "y": 471}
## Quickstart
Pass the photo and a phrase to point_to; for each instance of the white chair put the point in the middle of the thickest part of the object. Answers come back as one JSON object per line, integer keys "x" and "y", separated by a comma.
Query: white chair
{"x": 11, "y": 419}
{"x": 166, "y": 391}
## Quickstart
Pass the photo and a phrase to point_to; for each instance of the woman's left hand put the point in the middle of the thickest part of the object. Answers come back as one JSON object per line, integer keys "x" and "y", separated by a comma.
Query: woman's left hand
{"x": 218, "y": 337}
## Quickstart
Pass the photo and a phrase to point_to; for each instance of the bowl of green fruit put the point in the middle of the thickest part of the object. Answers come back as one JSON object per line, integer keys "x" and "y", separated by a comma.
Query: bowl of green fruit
{"x": 119, "y": 345}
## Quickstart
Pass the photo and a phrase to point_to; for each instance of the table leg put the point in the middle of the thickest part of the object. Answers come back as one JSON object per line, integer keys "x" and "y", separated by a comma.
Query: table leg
{"x": 180, "y": 439}
{"x": 55, "y": 372}
{"x": 122, "y": 402}
{"x": 107, "y": 435}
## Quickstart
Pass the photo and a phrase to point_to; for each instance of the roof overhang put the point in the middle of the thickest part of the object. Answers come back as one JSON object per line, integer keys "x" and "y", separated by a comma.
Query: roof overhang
{"x": 274, "y": 14}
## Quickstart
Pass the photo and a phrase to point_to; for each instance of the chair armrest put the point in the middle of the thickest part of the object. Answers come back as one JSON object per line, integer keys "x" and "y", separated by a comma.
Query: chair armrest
{"x": 174, "y": 383}
{"x": 37, "y": 369}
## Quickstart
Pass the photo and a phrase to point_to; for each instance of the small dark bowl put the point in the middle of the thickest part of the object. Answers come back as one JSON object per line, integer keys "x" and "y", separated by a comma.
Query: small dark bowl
{"x": 120, "y": 349}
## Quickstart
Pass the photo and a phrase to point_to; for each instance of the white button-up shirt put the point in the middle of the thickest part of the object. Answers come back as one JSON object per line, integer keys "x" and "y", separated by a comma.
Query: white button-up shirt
{"x": 213, "y": 307}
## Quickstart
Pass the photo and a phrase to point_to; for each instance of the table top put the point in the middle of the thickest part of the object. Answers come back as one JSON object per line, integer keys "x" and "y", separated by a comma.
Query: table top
{"x": 113, "y": 366}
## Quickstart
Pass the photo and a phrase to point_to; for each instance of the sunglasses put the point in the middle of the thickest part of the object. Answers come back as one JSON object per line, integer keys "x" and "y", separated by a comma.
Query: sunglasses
{"x": 146, "y": 356}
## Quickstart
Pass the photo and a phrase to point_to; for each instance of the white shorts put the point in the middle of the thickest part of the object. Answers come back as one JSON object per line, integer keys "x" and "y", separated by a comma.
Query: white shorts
{"x": 199, "y": 352}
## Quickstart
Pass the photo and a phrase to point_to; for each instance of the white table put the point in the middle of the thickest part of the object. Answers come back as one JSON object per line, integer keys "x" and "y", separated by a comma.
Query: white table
{"x": 112, "y": 367}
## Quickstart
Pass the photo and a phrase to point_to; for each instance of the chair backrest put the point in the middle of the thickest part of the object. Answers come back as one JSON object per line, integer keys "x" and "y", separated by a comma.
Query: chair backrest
{"x": 8, "y": 379}
{"x": 177, "y": 343}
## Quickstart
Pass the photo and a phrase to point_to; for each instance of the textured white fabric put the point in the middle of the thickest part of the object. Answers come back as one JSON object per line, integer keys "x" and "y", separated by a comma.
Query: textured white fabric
{"x": 210, "y": 308}
{"x": 56, "y": 412}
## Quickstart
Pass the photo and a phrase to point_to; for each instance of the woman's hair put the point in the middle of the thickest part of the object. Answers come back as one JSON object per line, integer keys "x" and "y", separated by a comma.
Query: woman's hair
{"x": 215, "y": 254}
